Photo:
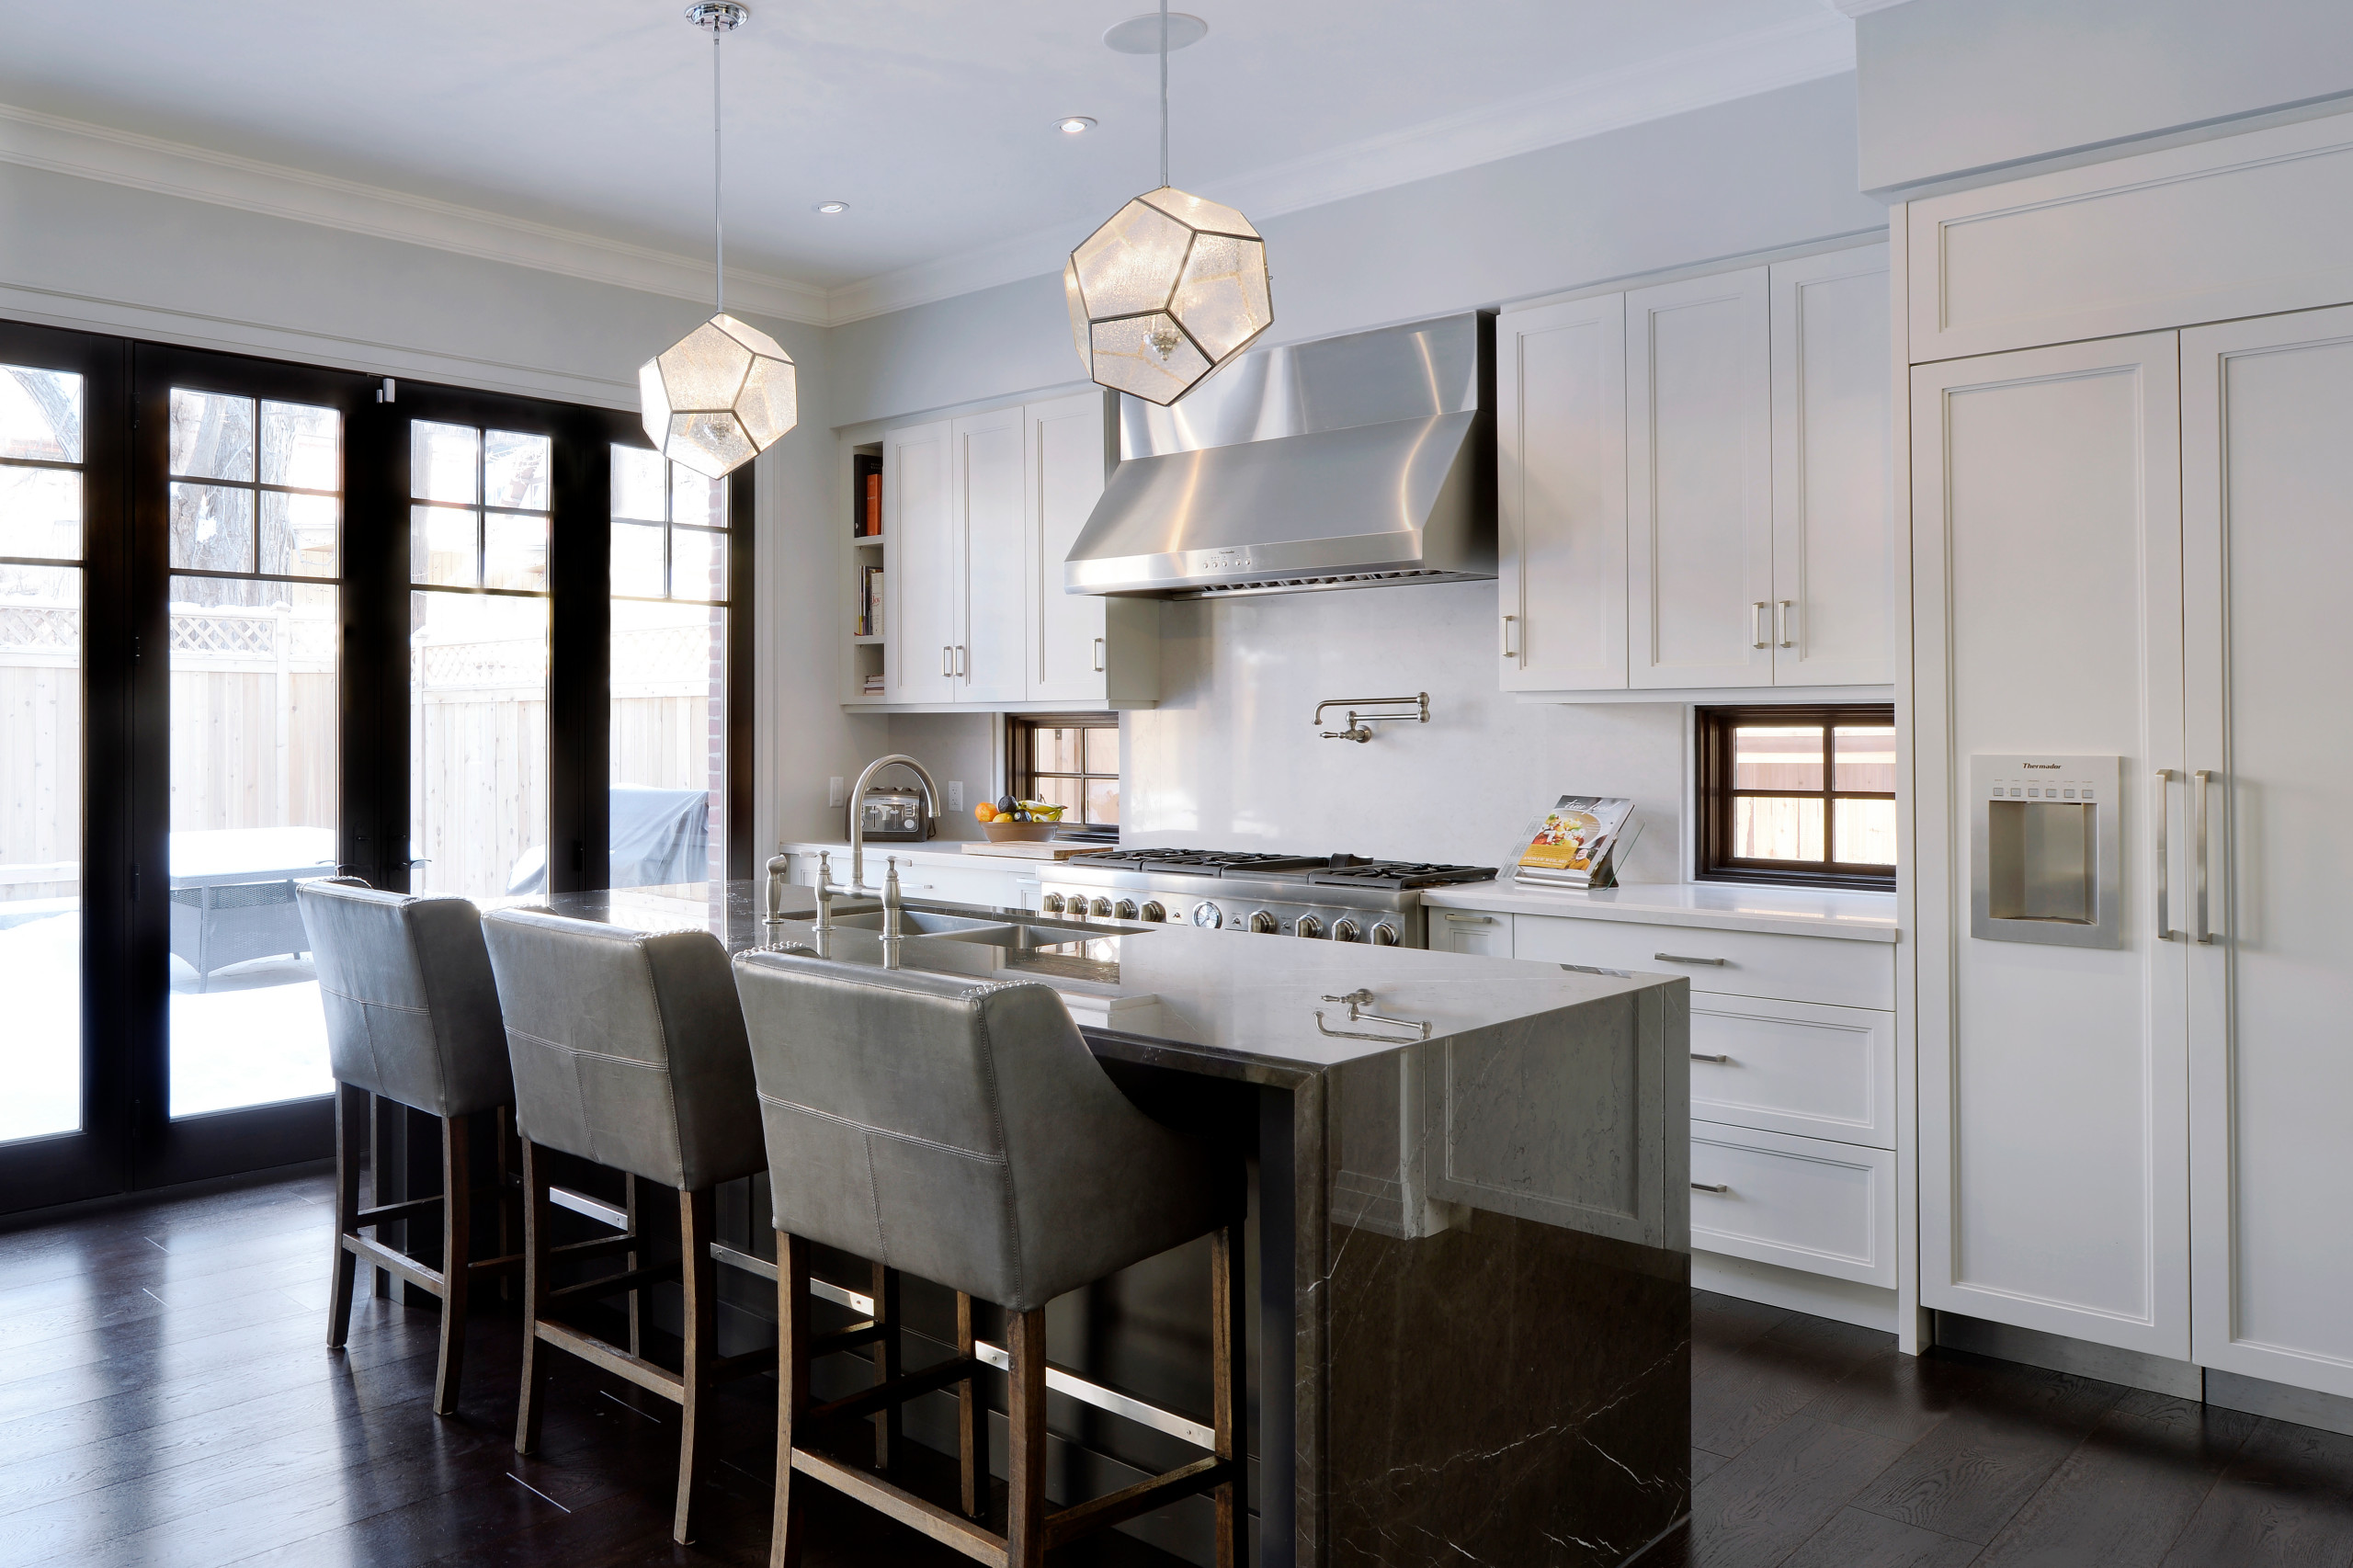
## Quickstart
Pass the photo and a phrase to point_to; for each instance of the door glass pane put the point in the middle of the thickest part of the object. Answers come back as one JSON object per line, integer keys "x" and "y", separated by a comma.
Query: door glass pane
{"x": 41, "y": 415}
{"x": 514, "y": 551}
{"x": 213, "y": 527}
{"x": 213, "y": 435}
{"x": 40, "y": 512}
{"x": 478, "y": 747}
{"x": 1777, "y": 756}
{"x": 669, "y": 730}
{"x": 515, "y": 470}
{"x": 254, "y": 750}
{"x": 302, "y": 447}
{"x": 299, "y": 534}
{"x": 40, "y": 844}
{"x": 442, "y": 545}
{"x": 444, "y": 462}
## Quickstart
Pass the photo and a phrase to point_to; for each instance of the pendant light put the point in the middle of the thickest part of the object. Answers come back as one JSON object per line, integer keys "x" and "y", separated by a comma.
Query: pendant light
{"x": 1170, "y": 288}
{"x": 725, "y": 393}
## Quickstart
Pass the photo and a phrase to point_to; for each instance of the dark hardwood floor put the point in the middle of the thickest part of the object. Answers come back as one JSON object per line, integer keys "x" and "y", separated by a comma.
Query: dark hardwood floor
{"x": 167, "y": 1399}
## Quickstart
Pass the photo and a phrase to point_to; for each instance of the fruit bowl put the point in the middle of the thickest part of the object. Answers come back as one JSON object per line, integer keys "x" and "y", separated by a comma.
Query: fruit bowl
{"x": 1001, "y": 831}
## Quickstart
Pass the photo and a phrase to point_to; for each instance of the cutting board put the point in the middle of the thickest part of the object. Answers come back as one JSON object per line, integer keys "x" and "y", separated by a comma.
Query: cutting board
{"x": 1042, "y": 849}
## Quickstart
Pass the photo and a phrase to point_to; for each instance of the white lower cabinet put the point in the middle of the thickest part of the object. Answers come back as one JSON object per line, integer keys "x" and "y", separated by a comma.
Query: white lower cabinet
{"x": 1471, "y": 931}
{"x": 1794, "y": 1067}
{"x": 1803, "y": 1203}
{"x": 1836, "y": 970}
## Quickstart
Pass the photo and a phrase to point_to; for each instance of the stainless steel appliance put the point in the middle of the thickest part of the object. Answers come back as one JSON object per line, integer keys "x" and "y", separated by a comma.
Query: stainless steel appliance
{"x": 1340, "y": 898}
{"x": 1347, "y": 462}
{"x": 2046, "y": 855}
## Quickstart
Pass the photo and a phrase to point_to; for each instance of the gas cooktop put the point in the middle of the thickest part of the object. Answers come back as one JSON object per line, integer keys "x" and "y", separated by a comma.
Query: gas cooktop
{"x": 1336, "y": 870}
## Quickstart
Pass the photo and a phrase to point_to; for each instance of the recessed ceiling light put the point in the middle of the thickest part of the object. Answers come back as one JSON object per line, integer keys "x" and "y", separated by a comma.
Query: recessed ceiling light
{"x": 1074, "y": 125}
{"x": 830, "y": 208}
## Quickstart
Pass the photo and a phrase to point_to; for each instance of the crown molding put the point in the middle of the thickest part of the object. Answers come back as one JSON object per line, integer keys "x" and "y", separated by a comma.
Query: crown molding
{"x": 1801, "y": 51}
{"x": 174, "y": 168}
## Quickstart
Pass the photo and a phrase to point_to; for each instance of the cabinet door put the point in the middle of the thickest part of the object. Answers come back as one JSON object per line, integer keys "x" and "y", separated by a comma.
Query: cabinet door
{"x": 1699, "y": 482}
{"x": 2269, "y": 531}
{"x": 2047, "y": 610}
{"x": 992, "y": 508}
{"x": 1469, "y": 931}
{"x": 1834, "y": 581}
{"x": 919, "y": 534}
{"x": 1561, "y": 452}
{"x": 1067, "y": 638}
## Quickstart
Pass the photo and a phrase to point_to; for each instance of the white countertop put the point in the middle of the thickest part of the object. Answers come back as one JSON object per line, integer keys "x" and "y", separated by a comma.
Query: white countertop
{"x": 944, "y": 850}
{"x": 1722, "y": 906}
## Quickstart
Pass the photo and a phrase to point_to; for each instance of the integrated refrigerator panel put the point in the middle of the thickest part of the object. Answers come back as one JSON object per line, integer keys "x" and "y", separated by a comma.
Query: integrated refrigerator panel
{"x": 2045, "y": 852}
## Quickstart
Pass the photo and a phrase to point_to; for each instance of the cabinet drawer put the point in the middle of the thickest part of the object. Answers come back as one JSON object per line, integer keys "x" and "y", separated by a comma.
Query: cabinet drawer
{"x": 1795, "y": 1067}
{"x": 1752, "y": 963}
{"x": 1800, "y": 1202}
{"x": 1469, "y": 931}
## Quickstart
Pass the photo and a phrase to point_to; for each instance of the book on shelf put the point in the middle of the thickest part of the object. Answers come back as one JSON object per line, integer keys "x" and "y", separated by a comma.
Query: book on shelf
{"x": 1575, "y": 843}
{"x": 866, "y": 492}
{"x": 873, "y": 686}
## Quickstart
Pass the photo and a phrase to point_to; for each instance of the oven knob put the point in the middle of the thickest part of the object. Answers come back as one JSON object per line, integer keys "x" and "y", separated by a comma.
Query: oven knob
{"x": 1309, "y": 926}
{"x": 1052, "y": 903}
{"x": 1152, "y": 911}
{"x": 1206, "y": 914}
{"x": 1077, "y": 908}
{"x": 1384, "y": 935}
{"x": 1345, "y": 931}
{"x": 1102, "y": 906}
{"x": 1263, "y": 922}
{"x": 1125, "y": 909}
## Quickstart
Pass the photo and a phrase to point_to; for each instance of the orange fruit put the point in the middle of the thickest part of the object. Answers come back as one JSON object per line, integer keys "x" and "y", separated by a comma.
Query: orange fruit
{"x": 984, "y": 813}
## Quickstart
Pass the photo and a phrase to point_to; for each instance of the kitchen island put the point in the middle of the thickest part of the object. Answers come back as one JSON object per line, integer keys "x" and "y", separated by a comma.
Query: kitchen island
{"x": 1469, "y": 1215}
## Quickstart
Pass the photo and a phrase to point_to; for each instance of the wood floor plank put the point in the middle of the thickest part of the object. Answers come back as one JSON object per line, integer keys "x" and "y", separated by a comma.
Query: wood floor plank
{"x": 1854, "y": 1539}
{"x": 2123, "y": 1496}
{"x": 2003, "y": 1440}
{"x": 1788, "y": 1484}
{"x": 1741, "y": 1392}
{"x": 2284, "y": 1500}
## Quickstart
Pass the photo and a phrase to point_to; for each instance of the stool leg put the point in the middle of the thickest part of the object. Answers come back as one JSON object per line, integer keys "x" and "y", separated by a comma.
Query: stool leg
{"x": 457, "y": 1236}
{"x": 971, "y": 1421}
{"x": 535, "y": 1301}
{"x": 887, "y": 1361}
{"x": 1228, "y": 1376}
{"x": 700, "y": 1278}
{"x": 510, "y": 1209}
{"x": 1025, "y": 1533}
{"x": 793, "y": 1391}
{"x": 350, "y": 1126}
{"x": 633, "y": 1258}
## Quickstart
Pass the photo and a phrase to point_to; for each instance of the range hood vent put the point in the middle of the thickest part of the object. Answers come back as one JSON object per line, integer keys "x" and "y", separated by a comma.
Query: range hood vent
{"x": 1349, "y": 462}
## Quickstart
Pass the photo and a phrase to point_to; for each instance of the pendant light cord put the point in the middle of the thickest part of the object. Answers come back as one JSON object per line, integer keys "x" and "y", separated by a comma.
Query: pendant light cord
{"x": 717, "y": 227}
{"x": 1164, "y": 94}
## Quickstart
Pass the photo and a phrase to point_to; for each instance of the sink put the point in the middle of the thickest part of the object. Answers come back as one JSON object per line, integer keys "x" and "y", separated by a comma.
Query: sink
{"x": 928, "y": 923}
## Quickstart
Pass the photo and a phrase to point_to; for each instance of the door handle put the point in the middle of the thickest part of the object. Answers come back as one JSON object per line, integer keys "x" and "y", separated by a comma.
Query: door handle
{"x": 947, "y": 660}
{"x": 1718, "y": 1186}
{"x": 1718, "y": 1061}
{"x": 2205, "y": 933}
{"x": 1781, "y": 624}
{"x": 1678, "y": 957}
{"x": 2160, "y": 812}
{"x": 1098, "y": 655}
{"x": 1756, "y": 624}
{"x": 961, "y": 668}
{"x": 1510, "y": 650}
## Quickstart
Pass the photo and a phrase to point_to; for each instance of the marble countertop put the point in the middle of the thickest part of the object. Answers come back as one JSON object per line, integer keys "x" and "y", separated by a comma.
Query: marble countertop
{"x": 1220, "y": 1002}
{"x": 1725, "y": 906}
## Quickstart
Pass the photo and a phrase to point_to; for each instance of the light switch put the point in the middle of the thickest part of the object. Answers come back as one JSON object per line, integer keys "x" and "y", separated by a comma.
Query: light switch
{"x": 955, "y": 794}
{"x": 835, "y": 789}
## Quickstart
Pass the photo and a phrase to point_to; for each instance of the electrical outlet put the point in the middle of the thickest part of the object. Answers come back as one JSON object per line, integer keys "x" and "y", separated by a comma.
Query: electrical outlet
{"x": 836, "y": 790}
{"x": 955, "y": 794}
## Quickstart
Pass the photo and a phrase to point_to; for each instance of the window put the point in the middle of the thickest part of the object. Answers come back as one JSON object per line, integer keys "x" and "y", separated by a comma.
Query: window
{"x": 667, "y": 754}
{"x": 1798, "y": 795}
{"x": 1068, "y": 759}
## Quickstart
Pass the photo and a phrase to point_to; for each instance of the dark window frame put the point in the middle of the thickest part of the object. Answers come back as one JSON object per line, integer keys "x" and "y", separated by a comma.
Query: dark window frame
{"x": 1021, "y": 772}
{"x": 1716, "y": 795}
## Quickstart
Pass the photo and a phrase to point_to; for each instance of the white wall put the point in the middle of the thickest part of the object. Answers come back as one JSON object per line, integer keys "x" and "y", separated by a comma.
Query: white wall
{"x": 1228, "y": 757}
{"x": 1948, "y": 87}
{"x": 88, "y": 254}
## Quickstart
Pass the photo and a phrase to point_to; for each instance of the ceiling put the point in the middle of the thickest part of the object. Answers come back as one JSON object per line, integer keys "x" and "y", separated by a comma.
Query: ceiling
{"x": 934, "y": 118}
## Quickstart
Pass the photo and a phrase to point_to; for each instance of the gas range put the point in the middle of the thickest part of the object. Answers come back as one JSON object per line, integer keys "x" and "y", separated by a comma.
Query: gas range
{"x": 1346, "y": 898}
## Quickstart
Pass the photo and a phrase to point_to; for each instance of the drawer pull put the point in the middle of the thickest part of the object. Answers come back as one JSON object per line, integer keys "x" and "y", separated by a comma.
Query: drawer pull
{"x": 1718, "y": 1061}
{"x": 1716, "y": 1187}
{"x": 1455, "y": 919}
{"x": 1679, "y": 957}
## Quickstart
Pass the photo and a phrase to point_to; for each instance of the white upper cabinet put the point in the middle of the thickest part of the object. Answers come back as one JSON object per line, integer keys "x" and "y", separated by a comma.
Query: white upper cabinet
{"x": 1834, "y": 544}
{"x": 919, "y": 521}
{"x": 979, "y": 513}
{"x": 1699, "y": 484}
{"x": 1560, "y": 445}
{"x": 1693, "y": 484}
{"x": 992, "y": 504}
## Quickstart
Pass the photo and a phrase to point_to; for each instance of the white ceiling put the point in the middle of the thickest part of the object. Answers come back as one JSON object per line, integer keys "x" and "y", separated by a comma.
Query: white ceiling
{"x": 590, "y": 119}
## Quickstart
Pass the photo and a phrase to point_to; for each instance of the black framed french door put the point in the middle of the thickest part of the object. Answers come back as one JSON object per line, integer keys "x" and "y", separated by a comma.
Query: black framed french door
{"x": 262, "y": 622}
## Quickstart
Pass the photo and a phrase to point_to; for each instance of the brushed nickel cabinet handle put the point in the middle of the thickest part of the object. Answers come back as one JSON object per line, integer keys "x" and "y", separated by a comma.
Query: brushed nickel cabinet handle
{"x": 962, "y": 668}
{"x": 1720, "y": 1186}
{"x": 1756, "y": 624}
{"x": 1098, "y": 655}
{"x": 1679, "y": 957}
{"x": 1460, "y": 919}
{"x": 1781, "y": 624}
{"x": 1718, "y": 1061}
{"x": 947, "y": 659}
{"x": 1510, "y": 650}
{"x": 2163, "y": 810}
{"x": 2205, "y": 932}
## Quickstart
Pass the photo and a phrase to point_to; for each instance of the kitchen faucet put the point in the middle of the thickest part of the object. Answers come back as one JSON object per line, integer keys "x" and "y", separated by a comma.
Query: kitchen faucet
{"x": 857, "y": 813}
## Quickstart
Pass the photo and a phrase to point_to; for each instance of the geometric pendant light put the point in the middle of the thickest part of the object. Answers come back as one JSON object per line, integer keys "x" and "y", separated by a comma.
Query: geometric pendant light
{"x": 1168, "y": 290}
{"x": 725, "y": 393}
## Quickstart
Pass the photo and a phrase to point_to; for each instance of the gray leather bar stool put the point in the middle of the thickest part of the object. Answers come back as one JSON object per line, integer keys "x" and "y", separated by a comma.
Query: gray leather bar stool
{"x": 411, "y": 1015}
{"x": 964, "y": 1134}
{"x": 628, "y": 1051}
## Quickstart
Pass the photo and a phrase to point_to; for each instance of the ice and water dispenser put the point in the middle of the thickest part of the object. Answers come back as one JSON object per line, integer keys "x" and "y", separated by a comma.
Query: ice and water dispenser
{"x": 2046, "y": 863}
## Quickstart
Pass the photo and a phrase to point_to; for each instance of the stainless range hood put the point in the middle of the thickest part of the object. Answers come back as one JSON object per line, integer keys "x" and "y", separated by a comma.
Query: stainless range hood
{"x": 1348, "y": 462}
